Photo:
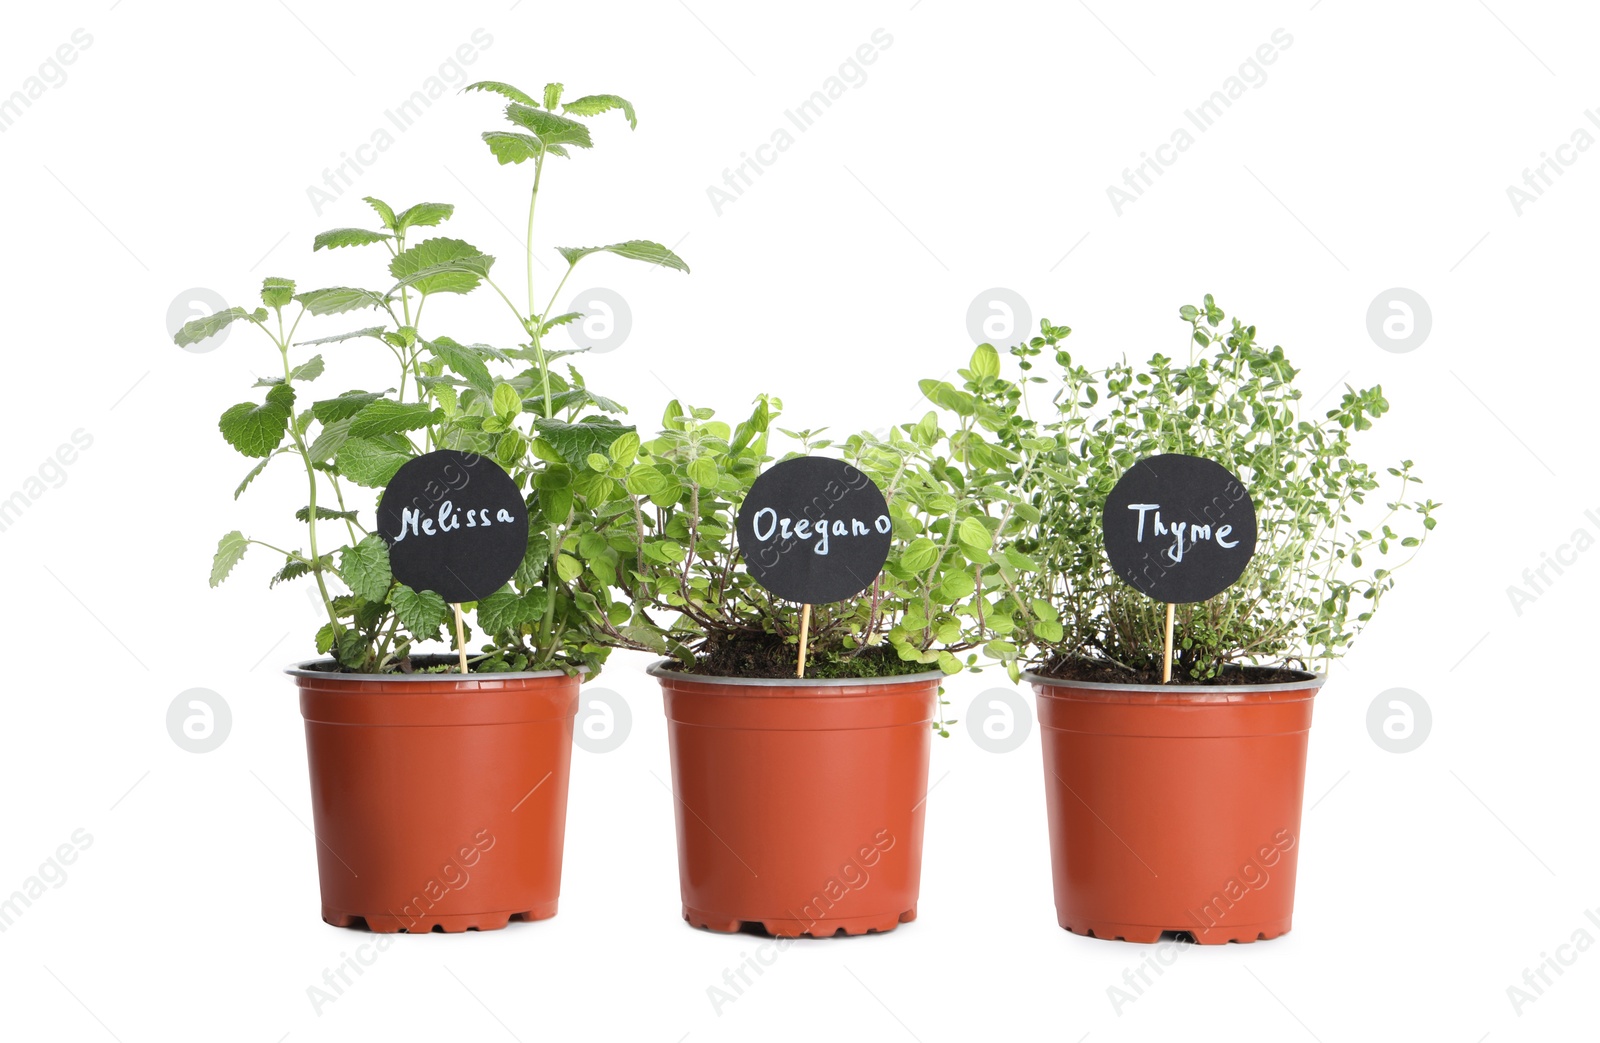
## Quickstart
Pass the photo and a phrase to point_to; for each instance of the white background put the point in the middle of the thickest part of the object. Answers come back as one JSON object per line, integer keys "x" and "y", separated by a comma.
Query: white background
{"x": 976, "y": 154}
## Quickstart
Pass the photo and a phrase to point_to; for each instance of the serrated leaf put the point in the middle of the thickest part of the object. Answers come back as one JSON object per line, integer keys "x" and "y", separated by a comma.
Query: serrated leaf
{"x": 276, "y": 292}
{"x": 549, "y": 127}
{"x": 328, "y": 440}
{"x": 423, "y": 214}
{"x": 258, "y": 430}
{"x": 385, "y": 211}
{"x": 505, "y": 90}
{"x": 324, "y": 514}
{"x": 441, "y": 265}
{"x": 386, "y": 416}
{"x": 196, "y": 330}
{"x": 257, "y": 469}
{"x": 595, "y": 104}
{"x": 370, "y": 331}
{"x": 230, "y": 549}
{"x": 293, "y": 568}
{"x": 633, "y": 249}
{"x": 310, "y": 369}
{"x": 334, "y": 238}
{"x": 419, "y": 611}
{"x": 510, "y": 146}
{"x": 348, "y": 404}
{"x": 365, "y": 568}
{"x": 368, "y": 463}
{"x": 463, "y": 362}
{"x": 552, "y": 95}
{"x": 559, "y": 320}
{"x": 574, "y": 442}
{"x": 334, "y": 300}
{"x": 503, "y": 610}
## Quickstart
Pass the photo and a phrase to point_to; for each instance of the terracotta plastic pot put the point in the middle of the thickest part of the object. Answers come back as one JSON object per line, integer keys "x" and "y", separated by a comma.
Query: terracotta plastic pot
{"x": 799, "y": 803}
{"x": 1175, "y": 808}
{"x": 440, "y": 801}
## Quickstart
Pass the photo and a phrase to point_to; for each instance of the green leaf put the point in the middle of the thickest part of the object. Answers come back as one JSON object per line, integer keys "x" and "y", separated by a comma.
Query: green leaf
{"x": 503, "y": 610}
{"x": 310, "y": 369}
{"x": 370, "y": 331}
{"x": 441, "y": 265}
{"x": 548, "y": 127}
{"x": 574, "y": 442}
{"x": 420, "y": 611}
{"x": 334, "y": 238}
{"x": 505, "y": 90}
{"x": 329, "y": 439}
{"x": 634, "y": 249}
{"x": 973, "y": 533}
{"x": 386, "y": 416}
{"x": 276, "y": 292}
{"x": 324, "y": 514}
{"x": 703, "y": 472}
{"x": 956, "y": 586}
{"x": 258, "y": 430}
{"x": 625, "y": 448}
{"x": 196, "y": 330}
{"x": 230, "y": 549}
{"x": 254, "y": 471}
{"x": 429, "y": 214}
{"x": 334, "y": 300}
{"x": 385, "y": 212}
{"x": 595, "y": 104}
{"x": 552, "y": 95}
{"x": 510, "y": 449}
{"x": 507, "y": 401}
{"x": 568, "y": 568}
{"x": 346, "y": 405}
{"x": 559, "y": 320}
{"x": 365, "y": 568}
{"x": 368, "y": 463}
{"x": 463, "y": 362}
{"x": 511, "y": 146}
{"x": 920, "y": 554}
{"x": 985, "y": 361}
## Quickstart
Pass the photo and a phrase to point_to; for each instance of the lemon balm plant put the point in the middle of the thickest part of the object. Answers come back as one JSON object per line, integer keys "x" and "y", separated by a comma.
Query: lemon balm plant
{"x": 523, "y": 405}
{"x": 410, "y": 764}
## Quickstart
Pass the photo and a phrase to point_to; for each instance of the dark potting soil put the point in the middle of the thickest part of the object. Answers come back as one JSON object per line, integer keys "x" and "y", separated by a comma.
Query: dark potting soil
{"x": 1064, "y": 668}
{"x": 417, "y": 664}
{"x": 768, "y": 655}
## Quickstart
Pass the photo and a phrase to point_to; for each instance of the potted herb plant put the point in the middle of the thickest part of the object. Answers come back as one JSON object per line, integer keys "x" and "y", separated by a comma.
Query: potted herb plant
{"x": 439, "y": 797}
{"x": 800, "y": 799}
{"x": 1175, "y": 807}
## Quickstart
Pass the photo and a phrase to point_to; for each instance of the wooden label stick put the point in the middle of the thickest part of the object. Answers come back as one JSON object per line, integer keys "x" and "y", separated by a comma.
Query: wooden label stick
{"x": 805, "y": 626}
{"x": 1166, "y": 652}
{"x": 461, "y": 634}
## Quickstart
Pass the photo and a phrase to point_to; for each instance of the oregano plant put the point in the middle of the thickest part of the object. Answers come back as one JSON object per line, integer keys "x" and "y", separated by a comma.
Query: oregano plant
{"x": 524, "y": 405}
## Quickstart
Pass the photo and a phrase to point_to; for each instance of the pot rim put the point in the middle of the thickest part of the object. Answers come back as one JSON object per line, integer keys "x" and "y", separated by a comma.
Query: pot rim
{"x": 661, "y": 668}
{"x": 306, "y": 668}
{"x": 1307, "y": 680}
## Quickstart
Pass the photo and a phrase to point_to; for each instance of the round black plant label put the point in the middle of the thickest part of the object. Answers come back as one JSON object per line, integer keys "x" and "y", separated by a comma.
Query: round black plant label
{"x": 455, "y": 523}
{"x": 1179, "y": 528}
{"x": 814, "y": 530}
